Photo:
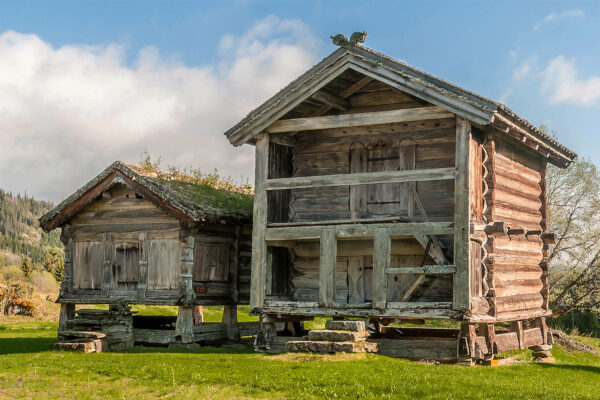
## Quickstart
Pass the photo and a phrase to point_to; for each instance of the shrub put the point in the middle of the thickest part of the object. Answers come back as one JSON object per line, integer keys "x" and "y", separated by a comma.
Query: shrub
{"x": 44, "y": 282}
{"x": 12, "y": 273}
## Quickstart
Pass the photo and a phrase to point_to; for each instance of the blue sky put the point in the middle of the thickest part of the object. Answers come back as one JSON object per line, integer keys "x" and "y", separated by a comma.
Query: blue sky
{"x": 539, "y": 57}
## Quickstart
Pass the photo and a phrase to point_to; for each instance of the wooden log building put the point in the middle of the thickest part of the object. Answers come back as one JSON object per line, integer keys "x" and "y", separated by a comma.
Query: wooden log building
{"x": 383, "y": 192}
{"x": 133, "y": 237}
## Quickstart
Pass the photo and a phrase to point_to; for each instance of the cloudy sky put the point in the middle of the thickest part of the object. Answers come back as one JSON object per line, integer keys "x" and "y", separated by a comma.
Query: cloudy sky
{"x": 85, "y": 83}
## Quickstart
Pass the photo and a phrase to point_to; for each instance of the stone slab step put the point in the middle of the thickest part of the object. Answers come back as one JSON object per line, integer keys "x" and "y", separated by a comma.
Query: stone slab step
{"x": 84, "y": 345}
{"x": 324, "y": 347}
{"x": 82, "y": 334}
{"x": 336, "y": 335}
{"x": 355, "y": 326}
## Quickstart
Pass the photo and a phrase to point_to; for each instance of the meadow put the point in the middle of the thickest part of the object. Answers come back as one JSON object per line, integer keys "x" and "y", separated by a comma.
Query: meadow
{"x": 30, "y": 369}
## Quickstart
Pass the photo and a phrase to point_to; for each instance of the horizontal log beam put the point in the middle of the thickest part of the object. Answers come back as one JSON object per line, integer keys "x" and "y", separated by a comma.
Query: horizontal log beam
{"x": 332, "y": 100}
{"x": 397, "y": 230}
{"x": 363, "y": 178}
{"x": 425, "y": 269}
{"x": 360, "y": 119}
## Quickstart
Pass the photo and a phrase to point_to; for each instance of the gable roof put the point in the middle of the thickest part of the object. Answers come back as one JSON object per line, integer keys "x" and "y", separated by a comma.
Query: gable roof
{"x": 190, "y": 203}
{"x": 462, "y": 102}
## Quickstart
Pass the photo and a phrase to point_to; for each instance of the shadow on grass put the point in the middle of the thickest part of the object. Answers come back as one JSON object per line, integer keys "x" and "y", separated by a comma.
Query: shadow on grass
{"x": 25, "y": 345}
{"x": 573, "y": 367}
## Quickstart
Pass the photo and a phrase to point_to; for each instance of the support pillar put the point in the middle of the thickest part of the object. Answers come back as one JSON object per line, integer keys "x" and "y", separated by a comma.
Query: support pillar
{"x": 265, "y": 335}
{"x": 231, "y": 323}
{"x": 67, "y": 312}
{"x": 184, "y": 327}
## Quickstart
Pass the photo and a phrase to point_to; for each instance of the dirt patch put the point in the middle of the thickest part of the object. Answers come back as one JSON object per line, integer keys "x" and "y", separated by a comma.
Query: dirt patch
{"x": 572, "y": 344}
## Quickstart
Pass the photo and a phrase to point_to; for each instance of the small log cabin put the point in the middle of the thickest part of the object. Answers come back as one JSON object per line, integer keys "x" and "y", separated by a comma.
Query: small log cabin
{"x": 383, "y": 192}
{"x": 131, "y": 236}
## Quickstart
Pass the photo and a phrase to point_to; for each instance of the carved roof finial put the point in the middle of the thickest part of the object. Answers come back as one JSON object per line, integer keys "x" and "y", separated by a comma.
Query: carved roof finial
{"x": 339, "y": 40}
{"x": 358, "y": 37}
{"x": 342, "y": 40}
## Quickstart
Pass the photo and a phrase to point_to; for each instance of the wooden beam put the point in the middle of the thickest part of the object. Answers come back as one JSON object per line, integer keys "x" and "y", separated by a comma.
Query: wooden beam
{"x": 397, "y": 230}
{"x": 381, "y": 262}
{"x": 142, "y": 265}
{"x": 365, "y": 178}
{"x": 425, "y": 269}
{"x": 462, "y": 213}
{"x": 283, "y": 139}
{"x": 106, "y": 265}
{"x": 327, "y": 267}
{"x": 332, "y": 100}
{"x": 359, "y": 119}
{"x": 259, "y": 246}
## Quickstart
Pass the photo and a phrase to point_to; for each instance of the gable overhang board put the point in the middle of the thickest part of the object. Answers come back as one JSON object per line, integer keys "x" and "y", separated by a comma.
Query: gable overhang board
{"x": 479, "y": 110}
{"x": 110, "y": 177}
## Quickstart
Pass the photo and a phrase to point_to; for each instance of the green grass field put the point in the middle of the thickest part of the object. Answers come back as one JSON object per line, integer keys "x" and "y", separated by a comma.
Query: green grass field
{"x": 29, "y": 369}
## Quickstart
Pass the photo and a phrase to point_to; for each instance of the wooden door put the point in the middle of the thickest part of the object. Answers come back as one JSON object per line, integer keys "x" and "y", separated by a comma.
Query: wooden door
{"x": 211, "y": 263}
{"x": 125, "y": 266}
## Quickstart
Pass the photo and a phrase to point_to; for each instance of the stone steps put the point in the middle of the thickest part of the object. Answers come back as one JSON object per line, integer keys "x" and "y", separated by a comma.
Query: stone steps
{"x": 338, "y": 337}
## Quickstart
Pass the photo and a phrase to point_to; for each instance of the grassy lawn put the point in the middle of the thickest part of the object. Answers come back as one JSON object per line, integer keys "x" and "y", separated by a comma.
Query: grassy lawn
{"x": 29, "y": 369}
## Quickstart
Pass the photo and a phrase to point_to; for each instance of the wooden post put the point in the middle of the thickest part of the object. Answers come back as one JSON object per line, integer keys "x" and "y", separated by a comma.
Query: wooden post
{"x": 466, "y": 344}
{"x": 67, "y": 312}
{"x": 184, "y": 327}
{"x": 327, "y": 267}
{"x": 231, "y": 323}
{"x": 381, "y": 262}
{"x": 143, "y": 266}
{"x": 259, "y": 246}
{"x": 489, "y": 331}
{"x": 66, "y": 285}
{"x": 107, "y": 265}
{"x": 462, "y": 213}
{"x": 233, "y": 264}
{"x": 187, "y": 267}
{"x": 198, "y": 315}
{"x": 517, "y": 326}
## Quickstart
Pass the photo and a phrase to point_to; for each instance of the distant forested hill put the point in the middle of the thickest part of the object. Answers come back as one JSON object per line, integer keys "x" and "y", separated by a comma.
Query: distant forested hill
{"x": 20, "y": 233}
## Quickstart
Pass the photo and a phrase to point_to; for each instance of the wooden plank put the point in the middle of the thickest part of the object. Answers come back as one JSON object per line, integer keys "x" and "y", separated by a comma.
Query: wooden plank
{"x": 415, "y": 349}
{"x": 381, "y": 262}
{"x": 327, "y": 267}
{"x": 356, "y": 266}
{"x": 358, "y": 193}
{"x": 425, "y": 269}
{"x": 461, "y": 286}
{"x": 361, "y": 119}
{"x": 142, "y": 265}
{"x": 331, "y": 100}
{"x": 106, "y": 265}
{"x": 259, "y": 246}
{"x": 398, "y": 230}
{"x": 366, "y": 178}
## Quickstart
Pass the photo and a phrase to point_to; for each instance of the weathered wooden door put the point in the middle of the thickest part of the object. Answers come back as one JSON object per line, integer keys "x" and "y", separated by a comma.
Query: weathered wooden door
{"x": 211, "y": 263}
{"x": 125, "y": 266}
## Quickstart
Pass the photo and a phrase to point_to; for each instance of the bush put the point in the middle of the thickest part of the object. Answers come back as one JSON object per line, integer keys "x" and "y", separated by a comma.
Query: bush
{"x": 580, "y": 321}
{"x": 12, "y": 273}
{"x": 44, "y": 282}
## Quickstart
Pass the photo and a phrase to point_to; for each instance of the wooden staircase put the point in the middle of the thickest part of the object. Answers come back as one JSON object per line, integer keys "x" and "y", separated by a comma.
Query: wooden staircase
{"x": 337, "y": 337}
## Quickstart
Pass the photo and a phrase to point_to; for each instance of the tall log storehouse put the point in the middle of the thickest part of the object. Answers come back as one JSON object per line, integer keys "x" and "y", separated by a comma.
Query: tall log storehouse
{"x": 133, "y": 237}
{"x": 383, "y": 192}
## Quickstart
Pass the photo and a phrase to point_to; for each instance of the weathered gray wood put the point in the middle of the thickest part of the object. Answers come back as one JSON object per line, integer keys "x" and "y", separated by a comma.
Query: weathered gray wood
{"x": 361, "y": 119}
{"x": 396, "y": 231}
{"x": 259, "y": 246}
{"x": 230, "y": 322}
{"x": 327, "y": 267}
{"x": 425, "y": 269}
{"x": 106, "y": 265}
{"x": 367, "y": 178}
{"x": 461, "y": 286}
{"x": 331, "y": 100}
{"x": 67, "y": 312}
{"x": 153, "y": 336}
{"x": 356, "y": 281}
{"x": 187, "y": 267}
{"x": 143, "y": 265}
{"x": 184, "y": 327}
{"x": 358, "y": 193}
{"x": 415, "y": 349}
{"x": 381, "y": 262}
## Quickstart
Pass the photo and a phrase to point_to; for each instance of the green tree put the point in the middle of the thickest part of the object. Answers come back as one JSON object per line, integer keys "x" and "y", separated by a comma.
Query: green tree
{"x": 26, "y": 267}
{"x": 574, "y": 215}
{"x": 54, "y": 263}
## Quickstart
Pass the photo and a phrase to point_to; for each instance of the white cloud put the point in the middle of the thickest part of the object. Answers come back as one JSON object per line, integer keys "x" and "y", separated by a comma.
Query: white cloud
{"x": 67, "y": 112}
{"x": 561, "y": 82}
{"x": 525, "y": 69}
{"x": 574, "y": 13}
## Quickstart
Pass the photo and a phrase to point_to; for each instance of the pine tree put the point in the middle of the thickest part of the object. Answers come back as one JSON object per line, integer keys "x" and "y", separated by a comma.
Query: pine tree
{"x": 26, "y": 267}
{"x": 54, "y": 263}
